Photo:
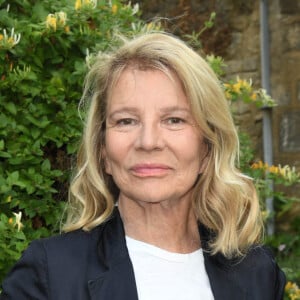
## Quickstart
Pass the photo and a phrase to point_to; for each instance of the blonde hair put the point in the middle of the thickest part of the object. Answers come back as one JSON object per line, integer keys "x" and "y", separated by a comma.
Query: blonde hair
{"x": 224, "y": 200}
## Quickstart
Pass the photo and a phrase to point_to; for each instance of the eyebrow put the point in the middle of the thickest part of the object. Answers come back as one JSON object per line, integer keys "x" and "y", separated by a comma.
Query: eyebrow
{"x": 126, "y": 109}
{"x": 169, "y": 109}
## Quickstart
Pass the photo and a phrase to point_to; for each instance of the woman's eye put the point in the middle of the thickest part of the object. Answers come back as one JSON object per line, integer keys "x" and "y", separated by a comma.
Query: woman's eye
{"x": 174, "y": 123}
{"x": 126, "y": 122}
{"x": 175, "y": 120}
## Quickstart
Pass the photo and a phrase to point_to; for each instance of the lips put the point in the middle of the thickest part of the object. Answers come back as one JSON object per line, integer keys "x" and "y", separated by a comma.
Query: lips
{"x": 150, "y": 170}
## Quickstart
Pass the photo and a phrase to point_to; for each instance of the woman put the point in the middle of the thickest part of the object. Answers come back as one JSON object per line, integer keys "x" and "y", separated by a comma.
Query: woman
{"x": 158, "y": 208}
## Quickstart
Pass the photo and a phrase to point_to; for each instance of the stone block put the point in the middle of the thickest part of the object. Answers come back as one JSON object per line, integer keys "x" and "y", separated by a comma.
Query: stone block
{"x": 281, "y": 95}
{"x": 289, "y": 6}
{"x": 293, "y": 34}
{"x": 290, "y": 132}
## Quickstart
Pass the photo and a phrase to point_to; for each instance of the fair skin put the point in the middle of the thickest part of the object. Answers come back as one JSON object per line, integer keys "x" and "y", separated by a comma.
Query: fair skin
{"x": 154, "y": 152}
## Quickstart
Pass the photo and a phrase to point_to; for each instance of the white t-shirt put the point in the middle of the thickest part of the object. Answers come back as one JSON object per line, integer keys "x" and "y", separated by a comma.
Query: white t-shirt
{"x": 164, "y": 275}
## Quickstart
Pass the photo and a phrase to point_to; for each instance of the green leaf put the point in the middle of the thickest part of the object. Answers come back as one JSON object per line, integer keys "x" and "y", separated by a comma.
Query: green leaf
{"x": 11, "y": 107}
{"x": 46, "y": 165}
{"x": 12, "y": 178}
{"x": 40, "y": 123}
{"x": 5, "y": 154}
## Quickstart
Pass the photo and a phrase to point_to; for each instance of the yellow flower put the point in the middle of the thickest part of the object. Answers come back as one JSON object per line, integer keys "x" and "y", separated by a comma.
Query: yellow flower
{"x": 51, "y": 22}
{"x": 237, "y": 87}
{"x": 18, "y": 220}
{"x": 293, "y": 290}
{"x": 246, "y": 85}
{"x": 274, "y": 169}
{"x": 67, "y": 29}
{"x": 10, "y": 221}
{"x": 242, "y": 85}
{"x": 114, "y": 8}
{"x": 78, "y": 4}
{"x": 253, "y": 96}
{"x": 254, "y": 166}
{"x": 58, "y": 19}
{"x": 259, "y": 165}
{"x": 86, "y": 3}
{"x": 228, "y": 95}
{"x": 10, "y": 41}
{"x": 62, "y": 18}
{"x": 289, "y": 285}
{"x": 283, "y": 171}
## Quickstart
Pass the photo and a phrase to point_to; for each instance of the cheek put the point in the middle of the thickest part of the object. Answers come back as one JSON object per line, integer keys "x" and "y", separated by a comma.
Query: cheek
{"x": 195, "y": 152}
{"x": 114, "y": 153}
{"x": 108, "y": 153}
{"x": 107, "y": 166}
{"x": 107, "y": 163}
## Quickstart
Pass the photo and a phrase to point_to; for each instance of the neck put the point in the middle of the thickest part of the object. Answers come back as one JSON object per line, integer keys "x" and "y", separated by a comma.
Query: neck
{"x": 172, "y": 227}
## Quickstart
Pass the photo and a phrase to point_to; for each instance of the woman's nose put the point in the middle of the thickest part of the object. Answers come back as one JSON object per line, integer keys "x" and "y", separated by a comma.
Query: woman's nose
{"x": 150, "y": 137}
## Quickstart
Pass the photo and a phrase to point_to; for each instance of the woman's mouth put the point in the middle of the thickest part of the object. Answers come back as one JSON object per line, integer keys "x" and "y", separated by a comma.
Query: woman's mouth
{"x": 150, "y": 170}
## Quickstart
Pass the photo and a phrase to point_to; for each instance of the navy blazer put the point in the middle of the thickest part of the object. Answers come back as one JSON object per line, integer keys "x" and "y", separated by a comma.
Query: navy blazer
{"x": 95, "y": 265}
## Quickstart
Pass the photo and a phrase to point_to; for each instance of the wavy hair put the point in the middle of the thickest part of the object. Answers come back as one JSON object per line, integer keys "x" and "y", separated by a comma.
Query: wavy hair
{"x": 224, "y": 199}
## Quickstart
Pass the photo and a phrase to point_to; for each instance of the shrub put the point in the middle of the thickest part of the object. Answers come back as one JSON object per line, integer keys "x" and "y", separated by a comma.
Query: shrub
{"x": 45, "y": 49}
{"x": 44, "y": 52}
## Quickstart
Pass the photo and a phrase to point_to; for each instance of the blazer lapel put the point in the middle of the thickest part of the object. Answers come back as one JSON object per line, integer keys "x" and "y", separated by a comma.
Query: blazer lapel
{"x": 115, "y": 284}
{"x": 117, "y": 280}
{"x": 222, "y": 282}
{"x": 220, "y": 272}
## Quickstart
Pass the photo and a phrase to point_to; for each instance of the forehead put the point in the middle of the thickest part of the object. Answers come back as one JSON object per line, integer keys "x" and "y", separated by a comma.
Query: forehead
{"x": 147, "y": 85}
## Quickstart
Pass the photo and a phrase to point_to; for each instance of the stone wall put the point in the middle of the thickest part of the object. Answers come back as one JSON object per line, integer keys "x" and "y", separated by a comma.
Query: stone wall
{"x": 285, "y": 80}
{"x": 236, "y": 37}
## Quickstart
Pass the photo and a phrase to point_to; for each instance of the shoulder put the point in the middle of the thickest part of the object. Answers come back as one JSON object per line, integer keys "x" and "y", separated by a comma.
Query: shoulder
{"x": 256, "y": 274}
{"x": 62, "y": 245}
{"x": 259, "y": 261}
{"x": 60, "y": 252}
{"x": 257, "y": 257}
{"x": 260, "y": 269}
{"x": 49, "y": 264}
{"x": 78, "y": 239}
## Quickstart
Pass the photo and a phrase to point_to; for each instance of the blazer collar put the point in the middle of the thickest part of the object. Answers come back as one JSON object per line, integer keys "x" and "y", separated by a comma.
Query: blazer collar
{"x": 220, "y": 270}
{"x": 117, "y": 279}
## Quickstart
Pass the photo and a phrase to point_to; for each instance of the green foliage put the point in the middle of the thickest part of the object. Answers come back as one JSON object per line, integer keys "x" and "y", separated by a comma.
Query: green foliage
{"x": 286, "y": 245}
{"x": 44, "y": 47}
{"x": 45, "y": 50}
{"x": 195, "y": 37}
{"x": 12, "y": 242}
{"x": 217, "y": 64}
{"x": 241, "y": 89}
{"x": 269, "y": 181}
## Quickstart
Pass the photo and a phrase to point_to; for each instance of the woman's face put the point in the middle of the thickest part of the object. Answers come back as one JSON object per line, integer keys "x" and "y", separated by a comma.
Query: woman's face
{"x": 153, "y": 148}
